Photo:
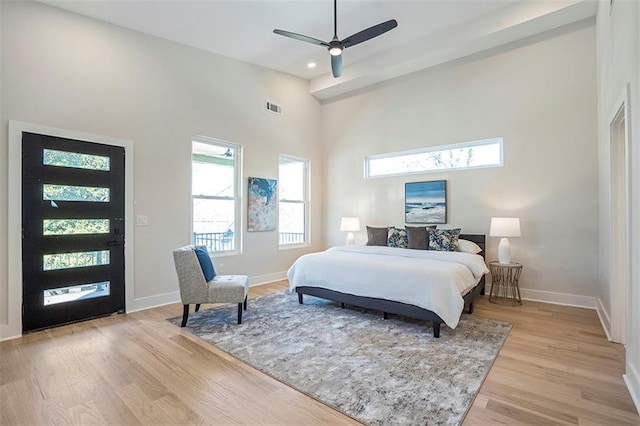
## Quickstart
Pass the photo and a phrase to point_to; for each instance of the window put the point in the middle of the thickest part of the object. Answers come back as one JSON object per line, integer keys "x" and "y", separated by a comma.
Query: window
{"x": 484, "y": 153}
{"x": 215, "y": 194}
{"x": 293, "y": 204}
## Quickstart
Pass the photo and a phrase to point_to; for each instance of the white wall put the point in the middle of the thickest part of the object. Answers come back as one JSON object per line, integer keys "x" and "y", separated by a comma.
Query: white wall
{"x": 618, "y": 44}
{"x": 70, "y": 72}
{"x": 4, "y": 314}
{"x": 540, "y": 97}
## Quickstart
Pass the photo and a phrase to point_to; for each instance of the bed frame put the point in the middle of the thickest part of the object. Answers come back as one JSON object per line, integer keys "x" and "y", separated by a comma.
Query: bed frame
{"x": 390, "y": 307}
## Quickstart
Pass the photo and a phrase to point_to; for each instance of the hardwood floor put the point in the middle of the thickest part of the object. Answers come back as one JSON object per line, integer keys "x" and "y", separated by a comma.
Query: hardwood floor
{"x": 556, "y": 367}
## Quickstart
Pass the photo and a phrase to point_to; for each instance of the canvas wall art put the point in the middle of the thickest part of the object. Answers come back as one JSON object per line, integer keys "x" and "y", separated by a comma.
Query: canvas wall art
{"x": 263, "y": 204}
{"x": 425, "y": 202}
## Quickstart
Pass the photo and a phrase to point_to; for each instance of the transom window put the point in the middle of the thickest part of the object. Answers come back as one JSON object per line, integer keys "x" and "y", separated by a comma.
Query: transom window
{"x": 293, "y": 200}
{"x": 215, "y": 194}
{"x": 484, "y": 153}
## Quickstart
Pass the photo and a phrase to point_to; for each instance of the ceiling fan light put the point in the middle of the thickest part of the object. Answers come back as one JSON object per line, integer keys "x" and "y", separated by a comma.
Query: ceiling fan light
{"x": 335, "y": 50}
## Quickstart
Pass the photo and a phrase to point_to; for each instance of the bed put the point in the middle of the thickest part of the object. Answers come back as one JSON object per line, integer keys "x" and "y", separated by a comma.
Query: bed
{"x": 392, "y": 280}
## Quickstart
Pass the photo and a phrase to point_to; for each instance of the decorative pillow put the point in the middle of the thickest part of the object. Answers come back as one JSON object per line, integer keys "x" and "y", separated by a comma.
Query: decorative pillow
{"x": 376, "y": 236}
{"x": 467, "y": 246}
{"x": 443, "y": 239}
{"x": 418, "y": 237}
{"x": 205, "y": 262}
{"x": 397, "y": 237}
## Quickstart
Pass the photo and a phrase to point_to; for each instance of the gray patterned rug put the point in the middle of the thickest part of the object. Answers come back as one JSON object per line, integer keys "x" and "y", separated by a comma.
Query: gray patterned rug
{"x": 380, "y": 372}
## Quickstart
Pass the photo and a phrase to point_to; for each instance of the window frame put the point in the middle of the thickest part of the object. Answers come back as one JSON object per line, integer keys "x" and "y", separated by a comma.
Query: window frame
{"x": 305, "y": 201}
{"x": 482, "y": 142}
{"x": 237, "y": 196}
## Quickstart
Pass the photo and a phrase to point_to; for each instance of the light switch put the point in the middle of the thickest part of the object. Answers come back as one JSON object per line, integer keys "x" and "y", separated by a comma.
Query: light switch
{"x": 142, "y": 220}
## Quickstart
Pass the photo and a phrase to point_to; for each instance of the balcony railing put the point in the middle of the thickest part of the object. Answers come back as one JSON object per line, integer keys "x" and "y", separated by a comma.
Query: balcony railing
{"x": 224, "y": 241}
{"x": 214, "y": 241}
{"x": 291, "y": 237}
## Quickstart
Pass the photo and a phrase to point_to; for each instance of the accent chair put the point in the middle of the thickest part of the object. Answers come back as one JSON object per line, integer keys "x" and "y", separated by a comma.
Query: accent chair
{"x": 195, "y": 289}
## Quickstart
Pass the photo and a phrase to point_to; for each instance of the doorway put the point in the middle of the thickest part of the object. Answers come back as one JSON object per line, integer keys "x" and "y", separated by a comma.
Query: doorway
{"x": 620, "y": 219}
{"x": 73, "y": 230}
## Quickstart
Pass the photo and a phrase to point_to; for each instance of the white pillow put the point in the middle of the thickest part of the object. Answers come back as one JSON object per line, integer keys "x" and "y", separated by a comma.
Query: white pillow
{"x": 467, "y": 246}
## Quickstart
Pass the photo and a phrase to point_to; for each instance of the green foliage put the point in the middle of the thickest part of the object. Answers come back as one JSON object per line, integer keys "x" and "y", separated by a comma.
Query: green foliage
{"x": 75, "y": 226}
{"x": 74, "y": 193}
{"x": 75, "y": 260}
{"x": 77, "y": 160}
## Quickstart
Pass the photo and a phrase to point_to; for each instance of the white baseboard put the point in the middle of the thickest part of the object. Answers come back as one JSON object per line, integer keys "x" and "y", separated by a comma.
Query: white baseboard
{"x": 155, "y": 301}
{"x": 174, "y": 297}
{"x": 559, "y": 298}
{"x": 267, "y": 278}
{"x": 571, "y": 300}
{"x": 605, "y": 319}
{"x": 9, "y": 331}
{"x": 632, "y": 380}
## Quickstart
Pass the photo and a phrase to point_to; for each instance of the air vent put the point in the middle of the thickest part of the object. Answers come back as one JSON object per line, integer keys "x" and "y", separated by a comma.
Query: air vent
{"x": 274, "y": 108}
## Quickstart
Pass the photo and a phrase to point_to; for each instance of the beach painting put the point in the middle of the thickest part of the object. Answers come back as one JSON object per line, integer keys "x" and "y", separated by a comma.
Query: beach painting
{"x": 263, "y": 204}
{"x": 425, "y": 202}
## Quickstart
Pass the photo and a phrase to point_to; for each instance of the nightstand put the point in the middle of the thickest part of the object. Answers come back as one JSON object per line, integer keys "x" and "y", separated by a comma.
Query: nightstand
{"x": 504, "y": 283}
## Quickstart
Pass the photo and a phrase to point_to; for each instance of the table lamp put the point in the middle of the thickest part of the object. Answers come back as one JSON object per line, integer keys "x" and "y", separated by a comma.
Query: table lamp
{"x": 350, "y": 225}
{"x": 504, "y": 227}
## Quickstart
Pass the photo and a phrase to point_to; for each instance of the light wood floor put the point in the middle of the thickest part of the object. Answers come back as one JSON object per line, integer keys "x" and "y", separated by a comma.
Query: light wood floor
{"x": 556, "y": 367}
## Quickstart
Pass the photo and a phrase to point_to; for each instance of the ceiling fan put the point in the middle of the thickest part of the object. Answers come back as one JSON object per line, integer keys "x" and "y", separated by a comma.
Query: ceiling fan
{"x": 337, "y": 46}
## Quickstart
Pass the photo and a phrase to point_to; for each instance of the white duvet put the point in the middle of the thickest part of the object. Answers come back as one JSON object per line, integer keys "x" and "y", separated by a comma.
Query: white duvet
{"x": 434, "y": 280}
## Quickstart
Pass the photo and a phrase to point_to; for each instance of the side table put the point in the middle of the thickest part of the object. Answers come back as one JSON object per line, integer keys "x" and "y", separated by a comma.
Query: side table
{"x": 504, "y": 283}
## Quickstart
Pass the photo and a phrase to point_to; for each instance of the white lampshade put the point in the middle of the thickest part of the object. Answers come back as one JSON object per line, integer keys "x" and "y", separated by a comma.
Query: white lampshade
{"x": 350, "y": 225}
{"x": 504, "y": 227}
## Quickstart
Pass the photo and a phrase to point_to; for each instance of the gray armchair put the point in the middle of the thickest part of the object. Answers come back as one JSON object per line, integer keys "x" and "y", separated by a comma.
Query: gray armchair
{"x": 195, "y": 289}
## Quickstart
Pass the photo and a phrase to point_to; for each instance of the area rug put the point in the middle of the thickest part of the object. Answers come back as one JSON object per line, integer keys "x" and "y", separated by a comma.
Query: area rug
{"x": 380, "y": 372}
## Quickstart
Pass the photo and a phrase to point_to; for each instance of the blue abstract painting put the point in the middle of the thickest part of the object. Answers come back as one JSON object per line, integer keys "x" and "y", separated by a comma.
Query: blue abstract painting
{"x": 425, "y": 202}
{"x": 263, "y": 204}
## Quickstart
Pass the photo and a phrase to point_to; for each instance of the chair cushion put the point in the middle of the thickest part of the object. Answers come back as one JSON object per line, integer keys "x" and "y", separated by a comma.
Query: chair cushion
{"x": 206, "y": 263}
{"x": 228, "y": 288}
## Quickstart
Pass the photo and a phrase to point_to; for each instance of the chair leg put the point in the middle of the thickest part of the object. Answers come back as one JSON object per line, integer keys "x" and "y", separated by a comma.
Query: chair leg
{"x": 197, "y": 307}
{"x": 240, "y": 313}
{"x": 185, "y": 315}
{"x": 245, "y": 303}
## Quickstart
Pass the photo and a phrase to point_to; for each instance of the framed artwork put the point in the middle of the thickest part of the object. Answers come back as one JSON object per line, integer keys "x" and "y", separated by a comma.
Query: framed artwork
{"x": 425, "y": 202}
{"x": 263, "y": 204}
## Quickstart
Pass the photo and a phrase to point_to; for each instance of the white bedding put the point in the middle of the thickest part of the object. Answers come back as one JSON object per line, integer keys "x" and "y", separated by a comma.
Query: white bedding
{"x": 434, "y": 280}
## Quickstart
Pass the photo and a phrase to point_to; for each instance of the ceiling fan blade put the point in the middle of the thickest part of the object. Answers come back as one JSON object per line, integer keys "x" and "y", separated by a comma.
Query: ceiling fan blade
{"x": 369, "y": 33}
{"x": 301, "y": 37}
{"x": 336, "y": 65}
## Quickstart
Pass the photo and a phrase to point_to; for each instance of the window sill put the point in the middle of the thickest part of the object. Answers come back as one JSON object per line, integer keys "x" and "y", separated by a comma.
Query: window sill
{"x": 215, "y": 254}
{"x": 293, "y": 246}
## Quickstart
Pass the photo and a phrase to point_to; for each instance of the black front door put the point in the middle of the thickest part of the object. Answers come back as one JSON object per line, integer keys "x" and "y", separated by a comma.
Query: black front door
{"x": 72, "y": 230}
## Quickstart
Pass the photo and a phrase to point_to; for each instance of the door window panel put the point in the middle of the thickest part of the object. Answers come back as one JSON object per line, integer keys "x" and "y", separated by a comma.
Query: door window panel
{"x": 75, "y": 260}
{"x": 75, "y": 226}
{"x": 53, "y": 157}
{"x": 74, "y": 193}
{"x": 77, "y": 292}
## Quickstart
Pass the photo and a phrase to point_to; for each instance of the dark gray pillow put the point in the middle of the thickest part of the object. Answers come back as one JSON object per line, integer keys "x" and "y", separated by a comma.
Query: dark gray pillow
{"x": 418, "y": 237}
{"x": 376, "y": 236}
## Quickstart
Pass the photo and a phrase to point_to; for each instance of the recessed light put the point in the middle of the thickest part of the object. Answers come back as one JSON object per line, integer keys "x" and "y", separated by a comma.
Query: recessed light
{"x": 311, "y": 65}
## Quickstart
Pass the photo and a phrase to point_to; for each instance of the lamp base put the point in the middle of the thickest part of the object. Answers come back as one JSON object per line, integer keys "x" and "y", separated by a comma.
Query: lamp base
{"x": 350, "y": 239}
{"x": 504, "y": 251}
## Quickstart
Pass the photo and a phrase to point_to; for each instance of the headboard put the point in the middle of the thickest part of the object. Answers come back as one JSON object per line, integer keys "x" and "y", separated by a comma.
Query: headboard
{"x": 479, "y": 239}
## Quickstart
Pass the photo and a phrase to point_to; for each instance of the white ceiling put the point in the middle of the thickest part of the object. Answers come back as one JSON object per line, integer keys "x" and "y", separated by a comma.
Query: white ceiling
{"x": 429, "y": 32}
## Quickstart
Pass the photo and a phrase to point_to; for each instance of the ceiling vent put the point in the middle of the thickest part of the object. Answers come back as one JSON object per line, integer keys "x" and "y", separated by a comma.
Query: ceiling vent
{"x": 274, "y": 108}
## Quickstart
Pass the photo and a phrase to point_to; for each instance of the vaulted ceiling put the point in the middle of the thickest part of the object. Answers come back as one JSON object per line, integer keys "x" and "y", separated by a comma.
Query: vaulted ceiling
{"x": 429, "y": 32}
